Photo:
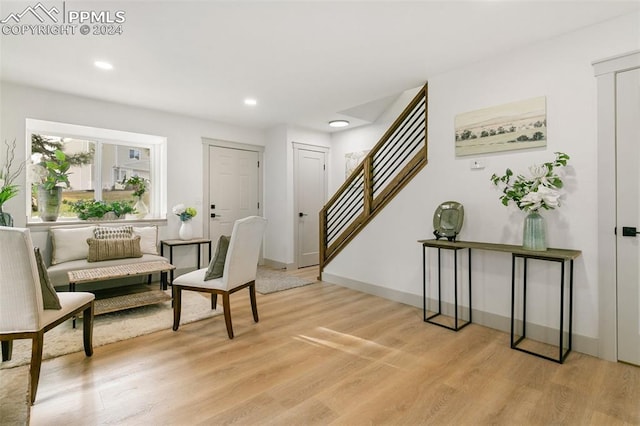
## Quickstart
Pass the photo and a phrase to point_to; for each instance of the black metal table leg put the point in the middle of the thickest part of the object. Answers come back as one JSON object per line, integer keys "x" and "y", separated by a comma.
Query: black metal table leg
{"x": 430, "y": 318}
{"x": 562, "y": 353}
{"x": 424, "y": 283}
{"x": 513, "y": 298}
{"x": 570, "y": 305}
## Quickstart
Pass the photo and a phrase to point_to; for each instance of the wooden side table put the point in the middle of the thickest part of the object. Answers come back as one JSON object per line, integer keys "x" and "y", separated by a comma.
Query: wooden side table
{"x": 174, "y": 243}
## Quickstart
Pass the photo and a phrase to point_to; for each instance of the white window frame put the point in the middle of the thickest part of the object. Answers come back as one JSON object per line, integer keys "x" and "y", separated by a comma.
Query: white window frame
{"x": 157, "y": 146}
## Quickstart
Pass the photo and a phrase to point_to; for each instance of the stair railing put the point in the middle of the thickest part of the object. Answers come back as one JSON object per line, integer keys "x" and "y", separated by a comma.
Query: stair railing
{"x": 399, "y": 155}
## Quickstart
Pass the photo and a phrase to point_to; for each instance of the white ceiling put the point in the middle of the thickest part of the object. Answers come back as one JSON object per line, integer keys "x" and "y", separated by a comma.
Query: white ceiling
{"x": 303, "y": 61}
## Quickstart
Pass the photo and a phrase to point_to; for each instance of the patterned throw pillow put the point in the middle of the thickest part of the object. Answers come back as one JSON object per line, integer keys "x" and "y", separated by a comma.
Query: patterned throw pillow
{"x": 106, "y": 249}
{"x": 113, "y": 232}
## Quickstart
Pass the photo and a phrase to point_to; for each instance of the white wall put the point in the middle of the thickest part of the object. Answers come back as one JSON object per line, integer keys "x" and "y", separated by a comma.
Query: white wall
{"x": 184, "y": 136}
{"x": 279, "y": 194}
{"x": 276, "y": 196}
{"x": 363, "y": 138}
{"x": 387, "y": 255}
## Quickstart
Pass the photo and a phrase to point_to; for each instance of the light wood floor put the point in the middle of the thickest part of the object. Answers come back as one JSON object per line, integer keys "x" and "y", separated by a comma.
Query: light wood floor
{"x": 326, "y": 355}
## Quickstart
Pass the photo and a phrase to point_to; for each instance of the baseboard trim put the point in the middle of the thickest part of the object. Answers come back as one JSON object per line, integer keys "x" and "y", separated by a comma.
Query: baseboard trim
{"x": 583, "y": 344}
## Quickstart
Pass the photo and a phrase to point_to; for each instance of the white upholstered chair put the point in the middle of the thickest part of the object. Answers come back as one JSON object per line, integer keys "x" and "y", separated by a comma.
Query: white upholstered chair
{"x": 22, "y": 313}
{"x": 240, "y": 269}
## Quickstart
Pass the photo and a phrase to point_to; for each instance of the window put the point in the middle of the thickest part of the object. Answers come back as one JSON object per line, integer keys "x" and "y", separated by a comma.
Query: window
{"x": 101, "y": 161}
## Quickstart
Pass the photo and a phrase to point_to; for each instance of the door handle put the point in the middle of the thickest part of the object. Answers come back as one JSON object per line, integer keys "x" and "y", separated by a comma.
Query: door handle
{"x": 213, "y": 215}
{"x": 302, "y": 214}
{"x": 629, "y": 231}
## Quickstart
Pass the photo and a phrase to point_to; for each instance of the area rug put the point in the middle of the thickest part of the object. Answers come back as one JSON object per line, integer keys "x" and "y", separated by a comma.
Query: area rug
{"x": 122, "y": 325}
{"x": 14, "y": 396}
{"x": 271, "y": 280}
{"x": 115, "y": 326}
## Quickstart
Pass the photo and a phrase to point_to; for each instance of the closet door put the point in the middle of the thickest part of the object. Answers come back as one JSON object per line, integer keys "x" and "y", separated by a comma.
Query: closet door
{"x": 628, "y": 214}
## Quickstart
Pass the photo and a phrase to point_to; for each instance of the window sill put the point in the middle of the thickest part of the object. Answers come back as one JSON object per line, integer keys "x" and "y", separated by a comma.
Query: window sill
{"x": 39, "y": 225}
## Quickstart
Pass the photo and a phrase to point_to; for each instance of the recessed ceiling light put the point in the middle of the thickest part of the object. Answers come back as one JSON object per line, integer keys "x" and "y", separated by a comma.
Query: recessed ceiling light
{"x": 338, "y": 123}
{"x": 103, "y": 65}
{"x": 250, "y": 102}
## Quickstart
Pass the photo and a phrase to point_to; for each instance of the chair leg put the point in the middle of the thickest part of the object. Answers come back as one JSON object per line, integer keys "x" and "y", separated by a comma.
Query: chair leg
{"x": 227, "y": 314}
{"x": 214, "y": 300}
{"x": 177, "y": 306}
{"x": 87, "y": 330}
{"x": 36, "y": 362}
{"x": 254, "y": 305}
{"x": 7, "y": 350}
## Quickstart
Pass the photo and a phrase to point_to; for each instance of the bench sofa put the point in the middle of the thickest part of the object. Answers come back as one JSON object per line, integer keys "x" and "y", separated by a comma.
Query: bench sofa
{"x": 70, "y": 251}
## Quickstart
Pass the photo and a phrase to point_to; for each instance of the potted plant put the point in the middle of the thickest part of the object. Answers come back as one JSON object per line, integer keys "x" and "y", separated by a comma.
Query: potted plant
{"x": 8, "y": 189}
{"x": 53, "y": 174}
{"x": 139, "y": 186}
{"x": 94, "y": 210}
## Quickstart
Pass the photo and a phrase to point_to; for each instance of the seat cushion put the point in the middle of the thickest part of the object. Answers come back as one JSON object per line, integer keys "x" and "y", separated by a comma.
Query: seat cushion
{"x": 197, "y": 279}
{"x": 69, "y": 303}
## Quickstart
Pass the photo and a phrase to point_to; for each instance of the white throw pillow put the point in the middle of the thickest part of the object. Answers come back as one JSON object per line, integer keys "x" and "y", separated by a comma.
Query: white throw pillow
{"x": 70, "y": 243}
{"x": 148, "y": 238}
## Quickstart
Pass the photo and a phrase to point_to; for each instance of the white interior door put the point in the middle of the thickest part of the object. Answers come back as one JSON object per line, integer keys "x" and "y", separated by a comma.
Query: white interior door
{"x": 233, "y": 188}
{"x": 628, "y": 214}
{"x": 311, "y": 190}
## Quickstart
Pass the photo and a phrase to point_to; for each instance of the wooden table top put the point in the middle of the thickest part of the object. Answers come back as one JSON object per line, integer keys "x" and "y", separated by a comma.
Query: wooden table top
{"x": 185, "y": 242}
{"x": 550, "y": 253}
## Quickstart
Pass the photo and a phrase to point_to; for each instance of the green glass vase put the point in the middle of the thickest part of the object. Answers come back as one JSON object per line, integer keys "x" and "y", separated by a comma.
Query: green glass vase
{"x": 534, "y": 236}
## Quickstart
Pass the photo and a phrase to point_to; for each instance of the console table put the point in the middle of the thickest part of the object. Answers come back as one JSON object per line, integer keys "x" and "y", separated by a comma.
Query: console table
{"x": 561, "y": 256}
{"x": 173, "y": 243}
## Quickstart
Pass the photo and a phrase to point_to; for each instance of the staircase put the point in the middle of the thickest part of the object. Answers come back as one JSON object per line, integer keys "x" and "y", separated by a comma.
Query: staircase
{"x": 399, "y": 155}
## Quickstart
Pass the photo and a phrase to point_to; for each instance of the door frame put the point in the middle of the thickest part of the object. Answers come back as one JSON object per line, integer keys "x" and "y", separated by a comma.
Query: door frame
{"x": 605, "y": 71}
{"x": 208, "y": 143}
{"x": 297, "y": 146}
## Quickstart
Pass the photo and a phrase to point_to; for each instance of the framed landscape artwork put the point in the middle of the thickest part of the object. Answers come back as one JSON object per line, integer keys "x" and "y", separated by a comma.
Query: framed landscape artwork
{"x": 517, "y": 125}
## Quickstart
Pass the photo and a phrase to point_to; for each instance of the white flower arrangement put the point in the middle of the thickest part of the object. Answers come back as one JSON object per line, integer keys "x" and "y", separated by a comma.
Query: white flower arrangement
{"x": 540, "y": 191}
{"x": 184, "y": 213}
